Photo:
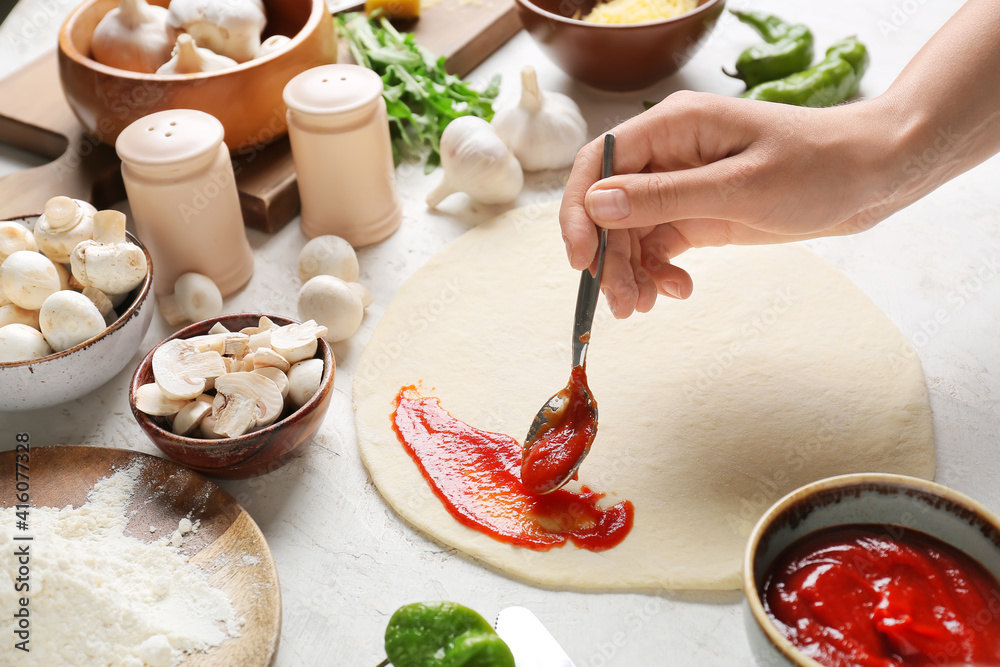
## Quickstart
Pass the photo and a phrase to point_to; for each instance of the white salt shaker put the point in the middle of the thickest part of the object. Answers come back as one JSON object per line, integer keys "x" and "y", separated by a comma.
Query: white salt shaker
{"x": 182, "y": 191}
{"x": 339, "y": 133}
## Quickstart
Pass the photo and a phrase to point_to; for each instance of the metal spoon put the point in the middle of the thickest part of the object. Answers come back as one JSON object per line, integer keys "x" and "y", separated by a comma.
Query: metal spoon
{"x": 586, "y": 305}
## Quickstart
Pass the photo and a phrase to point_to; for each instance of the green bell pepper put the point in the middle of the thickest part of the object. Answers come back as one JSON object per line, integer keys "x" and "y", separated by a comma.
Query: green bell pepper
{"x": 443, "y": 634}
{"x": 831, "y": 81}
{"x": 787, "y": 49}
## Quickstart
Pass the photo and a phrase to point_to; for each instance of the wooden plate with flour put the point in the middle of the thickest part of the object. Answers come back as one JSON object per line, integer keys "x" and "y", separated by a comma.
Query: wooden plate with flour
{"x": 226, "y": 546}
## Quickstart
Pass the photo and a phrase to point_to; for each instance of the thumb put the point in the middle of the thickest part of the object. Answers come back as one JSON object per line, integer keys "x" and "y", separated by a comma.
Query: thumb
{"x": 644, "y": 200}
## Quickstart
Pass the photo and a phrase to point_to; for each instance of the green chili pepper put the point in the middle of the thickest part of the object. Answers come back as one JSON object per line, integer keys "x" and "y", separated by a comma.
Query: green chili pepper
{"x": 831, "y": 81}
{"x": 787, "y": 49}
{"x": 443, "y": 634}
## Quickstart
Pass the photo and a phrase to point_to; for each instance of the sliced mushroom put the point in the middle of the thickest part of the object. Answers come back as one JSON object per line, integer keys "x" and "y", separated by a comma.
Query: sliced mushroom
{"x": 243, "y": 401}
{"x": 266, "y": 356}
{"x": 151, "y": 400}
{"x": 68, "y": 318}
{"x": 207, "y": 429}
{"x": 218, "y": 328}
{"x": 246, "y": 363}
{"x": 304, "y": 380}
{"x": 15, "y": 237}
{"x": 66, "y": 278}
{"x": 181, "y": 367}
{"x": 296, "y": 342}
{"x": 276, "y": 376}
{"x": 28, "y": 278}
{"x": 109, "y": 262}
{"x": 259, "y": 340}
{"x": 19, "y": 342}
{"x": 11, "y": 314}
{"x": 191, "y": 415}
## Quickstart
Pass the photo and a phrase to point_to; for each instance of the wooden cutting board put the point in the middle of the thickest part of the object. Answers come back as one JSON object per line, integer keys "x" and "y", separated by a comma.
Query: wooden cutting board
{"x": 35, "y": 117}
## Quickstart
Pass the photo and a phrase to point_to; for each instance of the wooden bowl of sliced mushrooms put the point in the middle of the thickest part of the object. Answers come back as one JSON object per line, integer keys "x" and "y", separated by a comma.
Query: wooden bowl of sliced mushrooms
{"x": 235, "y": 396}
{"x": 74, "y": 303}
{"x": 120, "y": 60}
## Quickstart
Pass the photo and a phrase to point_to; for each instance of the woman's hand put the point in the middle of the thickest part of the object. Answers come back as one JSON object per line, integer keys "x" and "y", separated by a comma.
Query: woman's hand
{"x": 706, "y": 170}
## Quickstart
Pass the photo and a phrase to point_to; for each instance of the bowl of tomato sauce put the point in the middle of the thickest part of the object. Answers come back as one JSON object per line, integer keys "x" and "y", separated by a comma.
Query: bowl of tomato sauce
{"x": 874, "y": 570}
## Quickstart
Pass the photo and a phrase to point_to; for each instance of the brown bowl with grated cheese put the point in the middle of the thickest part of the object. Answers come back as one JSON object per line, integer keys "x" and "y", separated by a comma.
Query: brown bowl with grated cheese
{"x": 617, "y": 56}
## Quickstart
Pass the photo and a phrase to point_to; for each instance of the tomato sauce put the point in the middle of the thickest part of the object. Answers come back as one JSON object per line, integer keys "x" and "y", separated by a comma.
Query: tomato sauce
{"x": 563, "y": 441}
{"x": 475, "y": 474}
{"x": 884, "y": 596}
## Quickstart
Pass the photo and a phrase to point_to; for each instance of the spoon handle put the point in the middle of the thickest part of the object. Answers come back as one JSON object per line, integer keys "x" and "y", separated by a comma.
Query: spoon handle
{"x": 590, "y": 285}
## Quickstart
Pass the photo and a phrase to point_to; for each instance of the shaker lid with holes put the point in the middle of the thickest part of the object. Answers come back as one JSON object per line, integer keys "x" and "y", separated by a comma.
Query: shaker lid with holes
{"x": 333, "y": 89}
{"x": 169, "y": 137}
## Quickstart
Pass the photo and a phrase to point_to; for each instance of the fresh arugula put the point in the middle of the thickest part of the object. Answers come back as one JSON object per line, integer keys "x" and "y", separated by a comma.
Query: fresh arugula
{"x": 420, "y": 96}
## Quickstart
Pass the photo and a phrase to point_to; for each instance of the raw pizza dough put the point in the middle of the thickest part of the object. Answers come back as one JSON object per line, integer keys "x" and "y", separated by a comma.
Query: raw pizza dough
{"x": 778, "y": 371}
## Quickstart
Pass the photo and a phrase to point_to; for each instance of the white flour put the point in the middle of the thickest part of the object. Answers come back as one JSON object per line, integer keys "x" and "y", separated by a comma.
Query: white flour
{"x": 101, "y": 598}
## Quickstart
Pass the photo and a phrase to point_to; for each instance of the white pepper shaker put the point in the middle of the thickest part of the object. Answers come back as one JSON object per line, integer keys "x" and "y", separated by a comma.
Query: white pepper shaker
{"x": 182, "y": 190}
{"x": 339, "y": 133}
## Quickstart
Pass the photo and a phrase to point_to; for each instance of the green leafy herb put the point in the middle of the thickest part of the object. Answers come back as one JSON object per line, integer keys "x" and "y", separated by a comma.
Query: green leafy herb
{"x": 420, "y": 96}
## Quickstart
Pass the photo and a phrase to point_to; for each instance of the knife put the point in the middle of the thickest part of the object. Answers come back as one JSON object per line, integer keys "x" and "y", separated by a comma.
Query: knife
{"x": 529, "y": 641}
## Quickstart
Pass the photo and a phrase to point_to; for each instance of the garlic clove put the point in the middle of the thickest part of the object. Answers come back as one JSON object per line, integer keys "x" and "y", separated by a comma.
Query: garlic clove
{"x": 188, "y": 58}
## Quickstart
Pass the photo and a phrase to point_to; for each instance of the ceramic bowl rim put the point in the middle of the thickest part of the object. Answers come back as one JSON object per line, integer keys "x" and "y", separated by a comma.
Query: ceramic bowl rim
{"x": 777, "y": 510}
{"x": 532, "y": 7}
{"x": 68, "y": 48}
{"x": 121, "y": 321}
{"x": 144, "y": 420}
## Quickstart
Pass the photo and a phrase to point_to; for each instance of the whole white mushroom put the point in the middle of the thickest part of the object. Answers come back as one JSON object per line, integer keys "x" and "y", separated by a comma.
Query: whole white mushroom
{"x": 19, "y": 342}
{"x": 333, "y": 304}
{"x": 196, "y": 297}
{"x": 304, "y": 379}
{"x": 14, "y": 237}
{"x": 28, "y": 278}
{"x": 68, "y": 318}
{"x": 64, "y": 224}
{"x": 328, "y": 256}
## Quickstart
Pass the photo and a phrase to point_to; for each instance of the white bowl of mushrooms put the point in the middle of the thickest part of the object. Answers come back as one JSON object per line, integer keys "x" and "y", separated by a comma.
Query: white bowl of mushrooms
{"x": 74, "y": 303}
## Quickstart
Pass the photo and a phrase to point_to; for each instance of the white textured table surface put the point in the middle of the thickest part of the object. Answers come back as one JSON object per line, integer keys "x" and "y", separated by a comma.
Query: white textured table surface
{"x": 346, "y": 561}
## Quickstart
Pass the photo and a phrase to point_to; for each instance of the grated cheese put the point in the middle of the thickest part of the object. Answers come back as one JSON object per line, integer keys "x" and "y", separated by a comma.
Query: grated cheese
{"x": 638, "y": 11}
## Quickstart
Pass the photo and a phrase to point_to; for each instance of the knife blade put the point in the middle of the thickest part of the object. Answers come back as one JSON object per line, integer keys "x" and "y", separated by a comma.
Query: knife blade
{"x": 529, "y": 641}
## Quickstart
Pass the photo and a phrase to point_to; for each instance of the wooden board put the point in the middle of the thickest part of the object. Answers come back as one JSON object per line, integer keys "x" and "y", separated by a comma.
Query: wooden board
{"x": 35, "y": 117}
{"x": 228, "y": 545}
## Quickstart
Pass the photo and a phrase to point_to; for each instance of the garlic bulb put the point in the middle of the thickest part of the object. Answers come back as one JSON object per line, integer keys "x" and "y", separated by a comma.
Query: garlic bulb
{"x": 230, "y": 28}
{"x": 191, "y": 59}
{"x": 477, "y": 162}
{"x": 133, "y": 36}
{"x": 545, "y": 130}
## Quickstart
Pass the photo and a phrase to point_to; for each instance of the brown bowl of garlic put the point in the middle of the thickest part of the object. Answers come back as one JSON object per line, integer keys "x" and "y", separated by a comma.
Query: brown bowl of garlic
{"x": 74, "y": 303}
{"x": 120, "y": 60}
{"x": 235, "y": 396}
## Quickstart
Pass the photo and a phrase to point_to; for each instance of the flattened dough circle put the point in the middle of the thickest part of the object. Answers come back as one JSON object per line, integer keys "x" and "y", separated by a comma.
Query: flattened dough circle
{"x": 778, "y": 371}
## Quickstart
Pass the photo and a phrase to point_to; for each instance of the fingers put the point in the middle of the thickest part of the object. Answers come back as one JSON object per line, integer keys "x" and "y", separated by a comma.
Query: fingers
{"x": 647, "y": 199}
{"x": 647, "y": 288}
{"x": 618, "y": 279}
{"x": 578, "y": 230}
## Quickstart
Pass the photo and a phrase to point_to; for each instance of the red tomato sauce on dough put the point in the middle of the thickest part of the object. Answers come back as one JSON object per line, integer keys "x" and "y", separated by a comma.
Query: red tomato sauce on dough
{"x": 565, "y": 441}
{"x": 884, "y": 596}
{"x": 475, "y": 475}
